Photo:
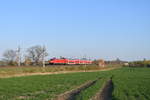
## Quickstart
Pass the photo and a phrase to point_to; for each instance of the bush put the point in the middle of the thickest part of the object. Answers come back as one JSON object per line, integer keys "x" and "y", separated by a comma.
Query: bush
{"x": 139, "y": 64}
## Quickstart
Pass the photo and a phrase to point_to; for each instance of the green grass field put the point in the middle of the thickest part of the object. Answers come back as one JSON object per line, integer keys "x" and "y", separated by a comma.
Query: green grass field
{"x": 129, "y": 84}
{"x": 41, "y": 87}
{"x": 132, "y": 84}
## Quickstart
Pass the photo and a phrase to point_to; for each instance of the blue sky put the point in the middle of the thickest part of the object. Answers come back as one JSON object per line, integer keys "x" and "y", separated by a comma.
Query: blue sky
{"x": 74, "y": 28}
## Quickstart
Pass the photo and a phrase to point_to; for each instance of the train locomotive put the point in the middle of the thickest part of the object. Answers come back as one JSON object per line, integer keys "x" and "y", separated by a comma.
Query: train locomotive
{"x": 65, "y": 61}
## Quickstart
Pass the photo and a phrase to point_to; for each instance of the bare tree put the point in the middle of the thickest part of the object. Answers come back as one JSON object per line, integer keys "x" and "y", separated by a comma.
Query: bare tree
{"x": 10, "y": 56}
{"x": 37, "y": 54}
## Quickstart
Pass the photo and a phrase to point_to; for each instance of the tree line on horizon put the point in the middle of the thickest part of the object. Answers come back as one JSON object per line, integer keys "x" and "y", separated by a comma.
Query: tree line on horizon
{"x": 144, "y": 63}
{"x": 35, "y": 55}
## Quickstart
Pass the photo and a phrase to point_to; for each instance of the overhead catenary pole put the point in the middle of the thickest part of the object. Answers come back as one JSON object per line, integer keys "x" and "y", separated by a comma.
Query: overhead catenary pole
{"x": 84, "y": 62}
{"x": 18, "y": 56}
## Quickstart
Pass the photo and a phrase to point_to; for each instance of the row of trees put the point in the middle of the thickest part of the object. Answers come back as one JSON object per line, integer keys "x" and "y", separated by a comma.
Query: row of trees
{"x": 144, "y": 63}
{"x": 35, "y": 55}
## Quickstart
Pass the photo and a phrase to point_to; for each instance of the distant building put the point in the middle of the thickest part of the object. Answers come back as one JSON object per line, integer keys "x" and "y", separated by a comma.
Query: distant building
{"x": 101, "y": 63}
{"x": 126, "y": 64}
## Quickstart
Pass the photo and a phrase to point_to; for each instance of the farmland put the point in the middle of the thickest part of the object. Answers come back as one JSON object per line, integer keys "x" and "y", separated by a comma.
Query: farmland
{"x": 128, "y": 84}
{"x": 132, "y": 84}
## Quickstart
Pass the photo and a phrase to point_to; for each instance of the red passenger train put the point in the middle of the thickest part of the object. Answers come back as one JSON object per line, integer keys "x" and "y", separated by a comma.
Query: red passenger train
{"x": 69, "y": 61}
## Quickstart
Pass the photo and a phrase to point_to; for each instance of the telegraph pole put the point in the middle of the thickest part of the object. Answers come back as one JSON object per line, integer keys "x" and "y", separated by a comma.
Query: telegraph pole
{"x": 18, "y": 56}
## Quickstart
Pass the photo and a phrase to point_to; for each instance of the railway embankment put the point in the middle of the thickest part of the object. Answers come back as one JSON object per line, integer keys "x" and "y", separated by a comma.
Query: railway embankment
{"x": 29, "y": 71}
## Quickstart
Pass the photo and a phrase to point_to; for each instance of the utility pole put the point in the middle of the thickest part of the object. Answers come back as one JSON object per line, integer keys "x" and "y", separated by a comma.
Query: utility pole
{"x": 18, "y": 56}
{"x": 85, "y": 63}
{"x": 43, "y": 56}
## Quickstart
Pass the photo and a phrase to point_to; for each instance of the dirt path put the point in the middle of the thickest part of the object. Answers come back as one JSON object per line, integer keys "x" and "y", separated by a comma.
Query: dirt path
{"x": 106, "y": 92}
{"x": 59, "y": 72}
{"x": 70, "y": 95}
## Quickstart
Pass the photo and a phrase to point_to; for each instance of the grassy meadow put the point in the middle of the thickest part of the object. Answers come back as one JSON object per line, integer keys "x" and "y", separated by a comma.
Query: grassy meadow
{"x": 128, "y": 84}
